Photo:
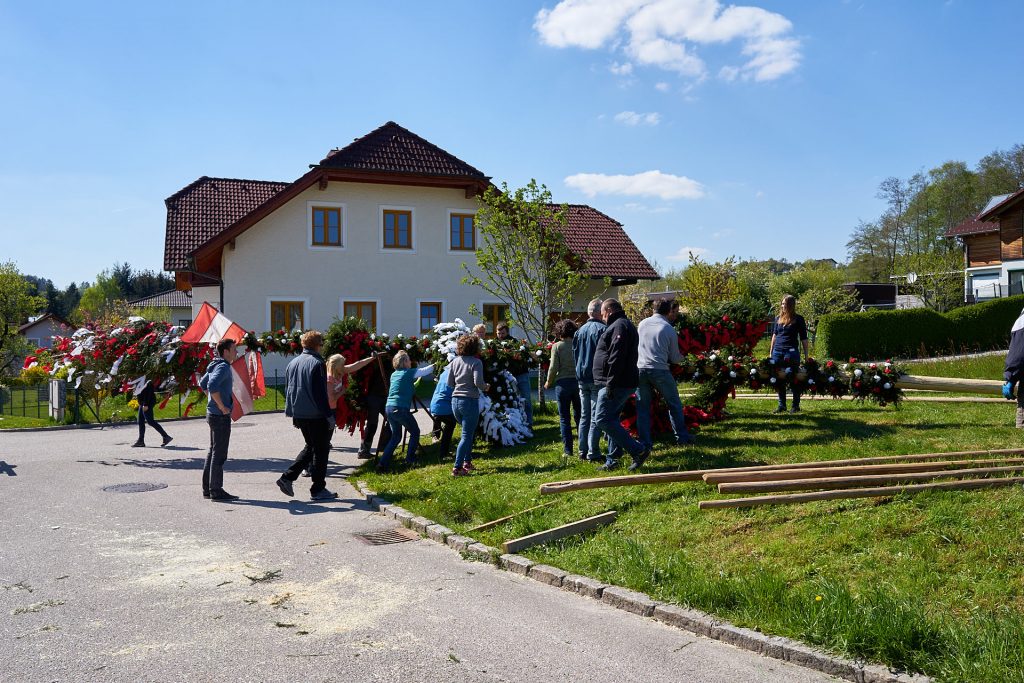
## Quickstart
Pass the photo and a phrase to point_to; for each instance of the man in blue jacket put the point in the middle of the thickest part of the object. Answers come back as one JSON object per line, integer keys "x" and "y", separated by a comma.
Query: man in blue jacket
{"x": 307, "y": 404}
{"x": 584, "y": 345}
{"x": 1013, "y": 370}
{"x": 216, "y": 382}
{"x": 615, "y": 371}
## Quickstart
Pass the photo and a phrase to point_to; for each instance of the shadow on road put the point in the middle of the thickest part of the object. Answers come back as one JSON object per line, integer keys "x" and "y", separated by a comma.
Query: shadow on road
{"x": 298, "y": 507}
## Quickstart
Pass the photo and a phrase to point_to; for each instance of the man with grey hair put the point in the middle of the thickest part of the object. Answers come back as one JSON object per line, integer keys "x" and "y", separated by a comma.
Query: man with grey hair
{"x": 659, "y": 349}
{"x": 583, "y": 346}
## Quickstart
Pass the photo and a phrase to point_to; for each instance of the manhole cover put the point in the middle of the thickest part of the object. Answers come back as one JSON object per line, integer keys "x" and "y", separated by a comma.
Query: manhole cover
{"x": 134, "y": 488}
{"x": 387, "y": 537}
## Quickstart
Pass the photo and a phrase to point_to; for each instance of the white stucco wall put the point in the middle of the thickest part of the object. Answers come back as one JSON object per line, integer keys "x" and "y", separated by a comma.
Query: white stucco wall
{"x": 44, "y": 331}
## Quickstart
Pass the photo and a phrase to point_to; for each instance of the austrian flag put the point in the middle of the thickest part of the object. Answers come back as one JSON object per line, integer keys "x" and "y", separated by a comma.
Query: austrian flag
{"x": 247, "y": 383}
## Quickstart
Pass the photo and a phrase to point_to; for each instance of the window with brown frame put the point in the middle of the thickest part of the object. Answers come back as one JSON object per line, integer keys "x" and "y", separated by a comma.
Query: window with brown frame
{"x": 397, "y": 229}
{"x": 494, "y": 314}
{"x": 463, "y": 232}
{"x": 366, "y": 310}
{"x": 287, "y": 315}
{"x": 326, "y": 226}
{"x": 430, "y": 315}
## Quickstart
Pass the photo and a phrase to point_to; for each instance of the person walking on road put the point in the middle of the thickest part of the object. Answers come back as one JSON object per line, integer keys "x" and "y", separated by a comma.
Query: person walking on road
{"x": 216, "y": 382}
{"x": 306, "y": 402}
{"x": 658, "y": 349}
{"x": 147, "y": 402}
{"x": 615, "y": 371}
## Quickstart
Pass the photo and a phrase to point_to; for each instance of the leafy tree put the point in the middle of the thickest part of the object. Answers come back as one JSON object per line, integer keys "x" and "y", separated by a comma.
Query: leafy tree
{"x": 818, "y": 301}
{"x": 523, "y": 258}
{"x": 17, "y": 303}
{"x": 706, "y": 283}
{"x": 97, "y": 299}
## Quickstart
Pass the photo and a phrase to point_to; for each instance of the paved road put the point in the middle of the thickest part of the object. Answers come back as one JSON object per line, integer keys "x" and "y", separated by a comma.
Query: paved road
{"x": 101, "y": 586}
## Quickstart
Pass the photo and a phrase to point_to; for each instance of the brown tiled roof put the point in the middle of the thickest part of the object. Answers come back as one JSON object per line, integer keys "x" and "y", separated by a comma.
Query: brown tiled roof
{"x": 172, "y": 298}
{"x": 393, "y": 149}
{"x": 206, "y": 207}
{"x": 972, "y": 226}
{"x": 604, "y": 245}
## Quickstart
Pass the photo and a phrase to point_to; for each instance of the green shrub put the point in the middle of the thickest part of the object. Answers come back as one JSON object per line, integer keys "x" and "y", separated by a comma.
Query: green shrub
{"x": 917, "y": 332}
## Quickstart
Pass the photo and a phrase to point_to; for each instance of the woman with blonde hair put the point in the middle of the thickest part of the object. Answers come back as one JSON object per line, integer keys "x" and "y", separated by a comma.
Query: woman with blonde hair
{"x": 399, "y": 408}
{"x": 789, "y": 331}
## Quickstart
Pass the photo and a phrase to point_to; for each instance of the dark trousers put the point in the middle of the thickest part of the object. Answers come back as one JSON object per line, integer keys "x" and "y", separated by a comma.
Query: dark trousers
{"x": 375, "y": 406}
{"x": 220, "y": 436}
{"x": 306, "y": 454}
{"x": 446, "y": 425}
{"x": 567, "y": 393}
{"x": 146, "y": 415}
{"x": 317, "y": 434}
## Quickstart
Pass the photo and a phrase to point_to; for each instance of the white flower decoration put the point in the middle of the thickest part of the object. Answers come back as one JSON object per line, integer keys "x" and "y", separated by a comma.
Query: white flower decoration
{"x": 858, "y": 372}
{"x": 887, "y": 385}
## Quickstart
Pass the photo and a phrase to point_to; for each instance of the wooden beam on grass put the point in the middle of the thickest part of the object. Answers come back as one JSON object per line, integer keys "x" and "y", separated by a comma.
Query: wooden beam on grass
{"x": 517, "y": 544}
{"x": 496, "y": 522}
{"x": 821, "y": 472}
{"x": 879, "y": 492}
{"x": 857, "y": 482}
{"x": 954, "y": 384}
{"x": 552, "y": 487}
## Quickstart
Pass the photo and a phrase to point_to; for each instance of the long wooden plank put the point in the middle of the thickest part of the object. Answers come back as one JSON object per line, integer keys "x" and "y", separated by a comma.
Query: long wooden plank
{"x": 791, "y": 498}
{"x": 552, "y": 487}
{"x": 496, "y": 522}
{"x": 820, "y": 472}
{"x": 955, "y": 384}
{"x": 517, "y": 544}
{"x": 857, "y": 482}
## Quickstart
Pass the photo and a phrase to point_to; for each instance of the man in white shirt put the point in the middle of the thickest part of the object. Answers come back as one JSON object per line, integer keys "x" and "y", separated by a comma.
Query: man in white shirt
{"x": 659, "y": 347}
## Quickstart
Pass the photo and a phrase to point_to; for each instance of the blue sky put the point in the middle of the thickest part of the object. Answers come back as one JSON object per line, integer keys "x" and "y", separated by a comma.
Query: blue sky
{"x": 769, "y": 125}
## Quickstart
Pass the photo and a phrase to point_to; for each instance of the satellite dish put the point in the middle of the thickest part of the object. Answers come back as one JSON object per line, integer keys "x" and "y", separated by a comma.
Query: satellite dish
{"x": 911, "y": 278}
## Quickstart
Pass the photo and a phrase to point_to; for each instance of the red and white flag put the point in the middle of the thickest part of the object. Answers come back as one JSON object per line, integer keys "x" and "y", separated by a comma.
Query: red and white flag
{"x": 210, "y": 326}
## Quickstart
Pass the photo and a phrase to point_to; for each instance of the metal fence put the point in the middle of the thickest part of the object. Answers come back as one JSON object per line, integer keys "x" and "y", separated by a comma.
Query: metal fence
{"x": 25, "y": 401}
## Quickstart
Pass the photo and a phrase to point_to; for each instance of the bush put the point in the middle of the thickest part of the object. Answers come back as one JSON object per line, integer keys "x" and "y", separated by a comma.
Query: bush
{"x": 917, "y": 332}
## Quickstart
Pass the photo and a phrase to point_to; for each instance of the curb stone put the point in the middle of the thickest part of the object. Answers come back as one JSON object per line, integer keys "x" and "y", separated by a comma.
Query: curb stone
{"x": 695, "y": 621}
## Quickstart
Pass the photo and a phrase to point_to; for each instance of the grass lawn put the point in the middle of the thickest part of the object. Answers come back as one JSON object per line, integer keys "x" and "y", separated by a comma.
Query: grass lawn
{"x": 931, "y": 583}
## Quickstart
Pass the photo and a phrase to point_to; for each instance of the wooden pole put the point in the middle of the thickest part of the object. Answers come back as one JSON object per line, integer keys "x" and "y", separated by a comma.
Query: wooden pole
{"x": 968, "y": 484}
{"x": 820, "y": 472}
{"x": 855, "y": 482}
{"x": 954, "y": 384}
{"x": 496, "y": 522}
{"x": 517, "y": 544}
{"x": 696, "y": 475}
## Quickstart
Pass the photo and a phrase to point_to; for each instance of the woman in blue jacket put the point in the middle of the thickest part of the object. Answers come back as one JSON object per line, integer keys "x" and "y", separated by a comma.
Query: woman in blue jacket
{"x": 790, "y": 331}
{"x": 399, "y": 408}
{"x": 441, "y": 409}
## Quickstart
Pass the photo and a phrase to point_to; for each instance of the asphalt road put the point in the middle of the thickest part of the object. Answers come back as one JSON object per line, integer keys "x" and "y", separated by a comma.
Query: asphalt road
{"x": 154, "y": 586}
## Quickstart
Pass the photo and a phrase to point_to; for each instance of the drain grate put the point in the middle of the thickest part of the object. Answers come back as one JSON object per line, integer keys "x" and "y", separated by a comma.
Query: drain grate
{"x": 388, "y": 536}
{"x": 134, "y": 488}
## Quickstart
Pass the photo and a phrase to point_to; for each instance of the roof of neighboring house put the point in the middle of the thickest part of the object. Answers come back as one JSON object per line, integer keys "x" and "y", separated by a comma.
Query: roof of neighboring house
{"x": 972, "y": 226}
{"x": 998, "y": 205}
{"x": 41, "y": 319}
{"x": 172, "y": 298}
{"x": 605, "y": 246}
{"x": 394, "y": 149}
{"x": 204, "y": 208}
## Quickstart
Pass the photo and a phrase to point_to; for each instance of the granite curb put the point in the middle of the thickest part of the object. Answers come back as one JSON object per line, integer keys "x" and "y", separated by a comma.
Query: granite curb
{"x": 686, "y": 619}
{"x": 114, "y": 425}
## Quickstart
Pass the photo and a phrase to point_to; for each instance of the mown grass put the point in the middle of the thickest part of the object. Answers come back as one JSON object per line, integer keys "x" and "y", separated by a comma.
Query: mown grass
{"x": 931, "y": 583}
{"x": 978, "y": 367}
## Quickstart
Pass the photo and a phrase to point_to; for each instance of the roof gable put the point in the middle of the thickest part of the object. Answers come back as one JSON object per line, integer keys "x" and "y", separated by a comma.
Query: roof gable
{"x": 171, "y": 298}
{"x": 999, "y": 205}
{"x": 394, "y": 149}
{"x": 602, "y": 242}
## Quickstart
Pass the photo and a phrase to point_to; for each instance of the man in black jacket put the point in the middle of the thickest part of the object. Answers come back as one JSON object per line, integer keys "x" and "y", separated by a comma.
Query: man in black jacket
{"x": 615, "y": 372}
{"x": 147, "y": 401}
{"x": 1013, "y": 370}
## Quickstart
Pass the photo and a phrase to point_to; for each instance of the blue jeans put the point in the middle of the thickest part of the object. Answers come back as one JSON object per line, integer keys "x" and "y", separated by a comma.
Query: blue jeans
{"x": 523, "y": 383}
{"x": 663, "y": 382}
{"x": 567, "y": 393}
{"x": 792, "y": 357}
{"x": 467, "y": 412}
{"x": 398, "y": 418}
{"x": 590, "y": 433}
{"x": 610, "y": 401}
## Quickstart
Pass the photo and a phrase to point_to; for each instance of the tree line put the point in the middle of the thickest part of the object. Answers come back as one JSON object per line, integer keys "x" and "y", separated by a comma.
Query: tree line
{"x": 82, "y": 301}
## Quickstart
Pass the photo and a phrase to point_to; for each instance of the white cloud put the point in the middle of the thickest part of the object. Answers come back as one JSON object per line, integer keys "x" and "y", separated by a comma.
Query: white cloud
{"x": 662, "y": 87}
{"x": 665, "y": 34}
{"x": 758, "y": 194}
{"x": 684, "y": 253}
{"x": 624, "y": 69}
{"x": 646, "y": 184}
{"x": 643, "y": 208}
{"x": 632, "y": 118}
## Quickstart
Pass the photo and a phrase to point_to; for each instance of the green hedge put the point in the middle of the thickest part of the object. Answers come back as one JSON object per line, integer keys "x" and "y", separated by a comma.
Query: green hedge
{"x": 917, "y": 333}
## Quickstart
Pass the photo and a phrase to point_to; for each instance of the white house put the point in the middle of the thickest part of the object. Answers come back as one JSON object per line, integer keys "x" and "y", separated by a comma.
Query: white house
{"x": 41, "y": 331}
{"x": 177, "y": 302}
{"x": 378, "y": 229}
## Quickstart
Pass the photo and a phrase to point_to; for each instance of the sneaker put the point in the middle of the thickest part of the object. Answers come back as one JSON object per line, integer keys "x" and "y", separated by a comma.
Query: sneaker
{"x": 222, "y": 496}
{"x": 307, "y": 473}
{"x": 584, "y": 456}
{"x": 468, "y": 466}
{"x": 324, "y": 494}
{"x": 139, "y": 444}
{"x": 794, "y": 409}
{"x": 609, "y": 466}
{"x": 638, "y": 460}
{"x": 460, "y": 472}
{"x": 286, "y": 487}
{"x": 206, "y": 494}
{"x": 167, "y": 440}
{"x": 363, "y": 455}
